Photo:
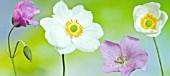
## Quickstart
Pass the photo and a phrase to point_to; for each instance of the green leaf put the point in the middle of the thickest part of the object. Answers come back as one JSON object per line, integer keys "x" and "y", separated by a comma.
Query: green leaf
{"x": 27, "y": 53}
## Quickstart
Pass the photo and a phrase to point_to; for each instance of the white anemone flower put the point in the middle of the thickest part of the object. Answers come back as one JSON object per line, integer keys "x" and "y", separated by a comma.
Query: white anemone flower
{"x": 69, "y": 30}
{"x": 149, "y": 19}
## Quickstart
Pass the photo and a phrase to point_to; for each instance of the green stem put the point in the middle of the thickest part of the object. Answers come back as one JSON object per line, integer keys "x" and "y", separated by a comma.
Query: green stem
{"x": 20, "y": 41}
{"x": 160, "y": 63}
{"x": 12, "y": 59}
{"x": 9, "y": 41}
{"x": 10, "y": 53}
{"x": 63, "y": 65}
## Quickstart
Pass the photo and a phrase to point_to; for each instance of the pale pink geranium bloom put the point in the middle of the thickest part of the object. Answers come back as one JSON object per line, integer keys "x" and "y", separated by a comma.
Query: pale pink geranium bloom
{"x": 123, "y": 58}
{"x": 24, "y": 13}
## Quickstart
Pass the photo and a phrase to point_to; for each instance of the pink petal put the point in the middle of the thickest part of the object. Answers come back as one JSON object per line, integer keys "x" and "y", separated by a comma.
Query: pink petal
{"x": 125, "y": 71}
{"x": 28, "y": 9}
{"x": 139, "y": 59}
{"x": 17, "y": 19}
{"x": 33, "y": 22}
{"x": 129, "y": 44}
{"x": 111, "y": 66}
{"x": 29, "y": 12}
{"x": 110, "y": 50}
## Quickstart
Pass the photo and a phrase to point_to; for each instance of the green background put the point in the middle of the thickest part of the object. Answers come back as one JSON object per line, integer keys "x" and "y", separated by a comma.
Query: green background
{"x": 116, "y": 19}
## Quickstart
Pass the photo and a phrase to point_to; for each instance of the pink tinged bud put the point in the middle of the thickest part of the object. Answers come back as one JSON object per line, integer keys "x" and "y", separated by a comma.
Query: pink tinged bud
{"x": 24, "y": 13}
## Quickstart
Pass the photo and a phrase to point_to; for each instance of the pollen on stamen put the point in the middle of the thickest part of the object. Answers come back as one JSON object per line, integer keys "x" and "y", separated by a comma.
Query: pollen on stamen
{"x": 149, "y": 18}
{"x": 74, "y": 28}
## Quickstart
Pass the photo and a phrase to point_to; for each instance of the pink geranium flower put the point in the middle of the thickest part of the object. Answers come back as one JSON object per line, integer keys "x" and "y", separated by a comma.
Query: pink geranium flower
{"x": 24, "y": 13}
{"x": 123, "y": 58}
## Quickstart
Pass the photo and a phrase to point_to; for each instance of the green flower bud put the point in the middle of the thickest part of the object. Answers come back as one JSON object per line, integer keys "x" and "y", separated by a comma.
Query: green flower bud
{"x": 27, "y": 53}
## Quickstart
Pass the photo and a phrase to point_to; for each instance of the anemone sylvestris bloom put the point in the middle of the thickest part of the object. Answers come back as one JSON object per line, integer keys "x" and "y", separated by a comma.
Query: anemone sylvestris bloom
{"x": 72, "y": 29}
{"x": 149, "y": 19}
{"x": 24, "y": 13}
{"x": 123, "y": 58}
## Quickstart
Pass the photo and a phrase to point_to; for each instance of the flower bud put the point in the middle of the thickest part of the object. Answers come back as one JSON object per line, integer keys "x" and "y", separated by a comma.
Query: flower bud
{"x": 27, "y": 53}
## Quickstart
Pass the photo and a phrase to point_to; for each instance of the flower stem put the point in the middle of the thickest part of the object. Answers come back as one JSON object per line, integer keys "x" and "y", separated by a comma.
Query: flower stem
{"x": 9, "y": 41}
{"x": 10, "y": 53}
{"x": 12, "y": 59}
{"x": 20, "y": 41}
{"x": 63, "y": 65}
{"x": 160, "y": 63}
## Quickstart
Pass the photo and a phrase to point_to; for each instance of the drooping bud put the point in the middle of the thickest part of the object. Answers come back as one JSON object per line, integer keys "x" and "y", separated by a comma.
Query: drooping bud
{"x": 27, "y": 53}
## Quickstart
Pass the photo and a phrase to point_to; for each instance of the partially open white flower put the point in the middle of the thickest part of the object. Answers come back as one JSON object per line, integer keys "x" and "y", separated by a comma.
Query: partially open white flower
{"x": 72, "y": 29}
{"x": 149, "y": 19}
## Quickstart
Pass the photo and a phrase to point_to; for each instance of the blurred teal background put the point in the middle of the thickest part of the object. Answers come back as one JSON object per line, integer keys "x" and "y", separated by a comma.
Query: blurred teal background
{"x": 114, "y": 16}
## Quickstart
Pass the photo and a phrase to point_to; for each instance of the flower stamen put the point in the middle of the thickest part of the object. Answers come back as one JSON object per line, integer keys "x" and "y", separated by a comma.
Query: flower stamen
{"x": 121, "y": 60}
{"x": 149, "y": 22}
{"x": 74, "y": 28}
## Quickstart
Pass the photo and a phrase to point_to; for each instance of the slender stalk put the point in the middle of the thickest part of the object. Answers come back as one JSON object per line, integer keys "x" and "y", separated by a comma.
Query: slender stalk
{"x": 12, "y": 59}
{"x": 9, "y": 41}
{"x": 160, "y": 63}
{"x": 15, "y": 49}
{"x": 20, "y": 41}
{"x": 10, "y": 53}
{"x": 63, "y": 65}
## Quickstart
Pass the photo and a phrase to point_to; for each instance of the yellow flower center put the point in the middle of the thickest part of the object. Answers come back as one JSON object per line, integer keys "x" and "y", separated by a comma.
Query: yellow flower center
{"x": 149, "y": 22}
{"x": 74, "y": 28}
